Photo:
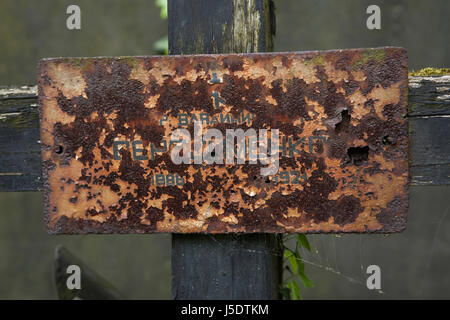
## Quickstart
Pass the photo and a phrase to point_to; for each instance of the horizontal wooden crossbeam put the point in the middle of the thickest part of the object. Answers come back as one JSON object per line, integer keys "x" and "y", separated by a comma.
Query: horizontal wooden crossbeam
{"x": 428, "y": 113}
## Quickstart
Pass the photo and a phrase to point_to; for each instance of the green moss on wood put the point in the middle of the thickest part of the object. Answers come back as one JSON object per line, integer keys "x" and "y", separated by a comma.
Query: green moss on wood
{"x": 429, "y": 72}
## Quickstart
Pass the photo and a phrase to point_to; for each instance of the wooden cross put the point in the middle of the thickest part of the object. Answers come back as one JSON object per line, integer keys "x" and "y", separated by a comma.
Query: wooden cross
{"x": 231, "y": 266}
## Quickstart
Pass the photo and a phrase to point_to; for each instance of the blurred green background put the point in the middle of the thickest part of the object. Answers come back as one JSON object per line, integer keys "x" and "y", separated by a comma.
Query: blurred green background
{"x": 414, "y": 264}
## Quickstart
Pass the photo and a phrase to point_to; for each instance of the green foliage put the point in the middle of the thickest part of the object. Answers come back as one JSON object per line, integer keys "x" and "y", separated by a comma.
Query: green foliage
{"x": 295, "y": 266}
{"x": 428, "y": 72}
{"x": 162, "y": 45}
{"x": 162, "y": 4}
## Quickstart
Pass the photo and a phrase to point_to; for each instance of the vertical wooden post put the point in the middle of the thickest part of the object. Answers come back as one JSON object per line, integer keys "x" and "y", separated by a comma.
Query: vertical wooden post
{"x": 223, "y": 266}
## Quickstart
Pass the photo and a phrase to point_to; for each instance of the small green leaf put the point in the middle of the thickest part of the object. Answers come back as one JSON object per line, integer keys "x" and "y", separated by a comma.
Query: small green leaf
{"x": 305, "y": 280}
{"x": 295, "y": 290}
{"x": 292, "y": 261}
{"x": 162, "y": 45}
{"x": 297, "y": 254}
{"x": 303, "y": 241}
{"x": 287, "y": 253}
{"x": 301, "y": 267}
{"x": 163, "y": 6}
{"x": 294, "y": 264}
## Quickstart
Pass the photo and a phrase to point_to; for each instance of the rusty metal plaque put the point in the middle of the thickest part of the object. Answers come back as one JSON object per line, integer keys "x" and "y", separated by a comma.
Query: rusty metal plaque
{"x": 274, "y": 142}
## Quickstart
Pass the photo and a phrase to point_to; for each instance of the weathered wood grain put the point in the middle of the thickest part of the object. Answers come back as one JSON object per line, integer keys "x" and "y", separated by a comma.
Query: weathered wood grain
{"x": 429, "y": 130}
{"x": 428, "y": 112}
{"x": 220, "y": 26}
{"x": 20, "y": 152}
{"x": 223, "y": 266}
{"x": 429, "y": 96}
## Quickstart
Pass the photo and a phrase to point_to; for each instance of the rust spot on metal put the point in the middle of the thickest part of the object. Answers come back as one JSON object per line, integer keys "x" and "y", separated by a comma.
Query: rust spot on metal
{"x": 106, "y": 125}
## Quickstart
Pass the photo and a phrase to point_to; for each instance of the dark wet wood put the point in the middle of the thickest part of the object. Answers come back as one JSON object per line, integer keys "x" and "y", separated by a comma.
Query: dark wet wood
{"x": 226, "y": 266}
{"x": 428, "y": 113}
{"x": 20, "y": 152}
{"x": 223, "y": 266}
{"x": 429, "y": 129}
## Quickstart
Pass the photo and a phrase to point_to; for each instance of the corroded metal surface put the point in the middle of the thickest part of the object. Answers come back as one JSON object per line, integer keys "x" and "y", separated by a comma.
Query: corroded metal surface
{"x": 106, "y": 125}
